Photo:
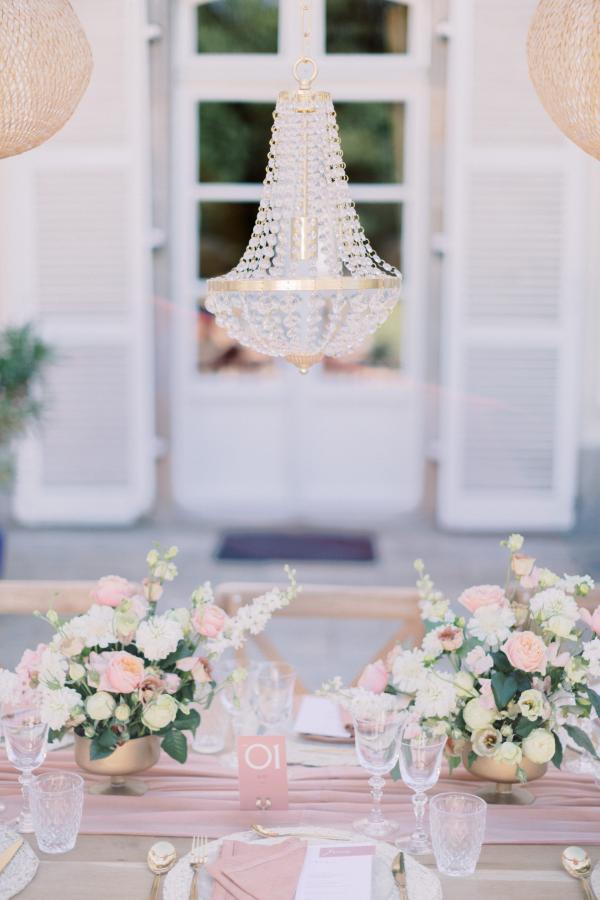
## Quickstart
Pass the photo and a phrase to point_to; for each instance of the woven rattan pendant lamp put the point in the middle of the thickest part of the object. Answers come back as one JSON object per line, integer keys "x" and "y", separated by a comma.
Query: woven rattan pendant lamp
{"x": 45, "y": 68}
{"x": 563, "y": 48}
{"x": 309, "y": 284}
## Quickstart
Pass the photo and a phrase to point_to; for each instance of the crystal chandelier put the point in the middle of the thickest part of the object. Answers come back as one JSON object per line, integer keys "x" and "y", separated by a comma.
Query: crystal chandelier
{"x": 309, "y": 284}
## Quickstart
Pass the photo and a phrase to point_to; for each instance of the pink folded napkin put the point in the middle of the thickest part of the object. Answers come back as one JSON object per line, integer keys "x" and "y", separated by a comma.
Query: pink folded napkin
{"x": 254, "y": 872}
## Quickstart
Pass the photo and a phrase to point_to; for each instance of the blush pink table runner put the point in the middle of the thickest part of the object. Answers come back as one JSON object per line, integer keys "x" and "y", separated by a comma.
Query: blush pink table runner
{"x": 202, "y": 798}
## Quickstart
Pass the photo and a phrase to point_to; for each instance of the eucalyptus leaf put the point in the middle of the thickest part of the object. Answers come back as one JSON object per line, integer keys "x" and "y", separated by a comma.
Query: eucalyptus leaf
{"x": 594, "y": 700}
{"x": 558, "y": 752}
{"x": 581, "y": 739}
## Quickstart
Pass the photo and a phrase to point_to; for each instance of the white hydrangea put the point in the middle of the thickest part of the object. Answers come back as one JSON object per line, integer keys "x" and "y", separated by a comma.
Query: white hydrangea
{"x": 58, "y": 706}
{"x": 491, "y": 624}
{"x": 408, "y": 671}
{"x": 436, "y": 697}
{"x": 554, "y": 602}
{"x": 158, "y": 636}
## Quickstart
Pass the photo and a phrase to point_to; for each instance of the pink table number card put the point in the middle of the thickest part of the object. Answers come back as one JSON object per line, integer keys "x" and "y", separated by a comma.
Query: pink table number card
{"x": 263, "y": 772}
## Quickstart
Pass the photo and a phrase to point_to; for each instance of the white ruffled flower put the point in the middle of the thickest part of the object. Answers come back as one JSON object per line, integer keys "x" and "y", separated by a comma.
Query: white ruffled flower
{"x": 53, "y": 669}
{"x": 58, "y": 706}
{"x": 436, "y": 697}
{"x": 591, "y": 653}
{"x": 408, "y": 671}
{"x": 491, "y": 624}
{"x": 10, "y": 688}
{"x": 431, "y": 645}
{"x": 554, "y": 602}
{"x": 96, "y": 626}
{"x": 577, "y": 584}
{"x": 158, "y": 636}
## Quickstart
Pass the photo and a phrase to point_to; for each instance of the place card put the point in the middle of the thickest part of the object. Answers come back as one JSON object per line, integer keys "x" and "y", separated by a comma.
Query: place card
{"x": 337, "y": 872}
{"x": 262, "y": 772}
{"x": 321, "y": 716}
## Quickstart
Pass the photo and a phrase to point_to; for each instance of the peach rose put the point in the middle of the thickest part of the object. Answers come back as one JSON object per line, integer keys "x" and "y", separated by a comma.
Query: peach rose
{"x": 120, "y": 672}
{"x": 111, "y": 589}
{"x": 526, "y": 651}
{"x": 483, "y": 595}
{"x": 450, "y": 637}
{"x": 198, "y": 666}
{"x": 521, "y": 564}
{"x": 150, "y": 687}
{"x": 374, "y": 677}
{"x": 209, "y": 620}
{"x": 592, "y": 620}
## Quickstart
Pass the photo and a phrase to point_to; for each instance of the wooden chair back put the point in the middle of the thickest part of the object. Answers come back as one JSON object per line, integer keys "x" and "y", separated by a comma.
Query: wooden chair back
{"x": 68, "y": 598}
{"x": 399, "y": 606}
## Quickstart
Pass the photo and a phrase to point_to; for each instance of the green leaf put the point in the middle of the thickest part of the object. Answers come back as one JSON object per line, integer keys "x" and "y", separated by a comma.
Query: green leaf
{"x": 97, "y": 751}
{"x": 189, "y": 722}
{"x": 471, "y": 758}
{"x": 453, "y": 763}
{"x": 558, "y": 752}
{"x": 395, "y": 773}
{"x": 175, "y": 744}
{"x": 504, "y": 688}
{"x": 581, "y": 738}
{"x": 501, "y": 663}
{"x": 521, "y": 774}
{"x": 594, "y": 700}
{"x": 526, "y": 726}
{"x": 390, "y": 689}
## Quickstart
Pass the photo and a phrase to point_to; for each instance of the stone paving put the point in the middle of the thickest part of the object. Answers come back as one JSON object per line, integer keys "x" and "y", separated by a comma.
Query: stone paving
{"x": 454, "y": 560}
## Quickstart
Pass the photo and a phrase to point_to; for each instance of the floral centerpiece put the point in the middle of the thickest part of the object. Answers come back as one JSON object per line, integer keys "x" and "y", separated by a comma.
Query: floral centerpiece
{"x": 123, "y": 671}
{"x": 512, "y": 680}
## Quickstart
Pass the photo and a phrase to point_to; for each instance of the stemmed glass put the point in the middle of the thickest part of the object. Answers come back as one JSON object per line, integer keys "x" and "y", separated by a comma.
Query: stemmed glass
{"x": 272, "y": 695}
{"x": 421, "y": 754}
{"x": 25, "y": 736}
{"x": 235, "y": 698}
{"x": 376, "y": 741}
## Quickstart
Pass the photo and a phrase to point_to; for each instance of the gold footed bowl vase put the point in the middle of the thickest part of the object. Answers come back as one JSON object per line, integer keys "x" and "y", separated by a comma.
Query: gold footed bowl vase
{"x": 504, "y": 778}
{"x": 130, "y": 758}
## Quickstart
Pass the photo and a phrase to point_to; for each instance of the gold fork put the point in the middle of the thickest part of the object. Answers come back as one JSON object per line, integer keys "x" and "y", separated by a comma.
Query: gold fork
{"x": 199, "y": 855}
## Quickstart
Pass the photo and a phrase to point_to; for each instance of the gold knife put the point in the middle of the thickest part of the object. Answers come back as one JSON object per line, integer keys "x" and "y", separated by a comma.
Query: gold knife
{"x": 7, "y": 855}
{"x": 399, "y": 873}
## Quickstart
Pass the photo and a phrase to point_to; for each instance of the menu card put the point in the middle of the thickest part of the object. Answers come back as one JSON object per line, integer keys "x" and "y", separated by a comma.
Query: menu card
{"x": 337, "y": 872}
{"x": 320, "y": 716}
{"x": 263, "y": 772}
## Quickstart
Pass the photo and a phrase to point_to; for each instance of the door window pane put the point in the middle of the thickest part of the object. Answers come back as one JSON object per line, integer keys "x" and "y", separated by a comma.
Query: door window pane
{"x": 372, "y": 136}
{"x": 366, "y": 26}
{"x": 237, "y": 26}
{"x": 234, "y": 141}
{"x": 224, "y": 230}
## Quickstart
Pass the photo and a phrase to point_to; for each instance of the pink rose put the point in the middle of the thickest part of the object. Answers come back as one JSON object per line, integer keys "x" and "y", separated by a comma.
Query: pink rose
{"x": 198, "y": 666}
{"x": 450, "y": 637}
{"x": 478, "y": 661}
{"x": 29, "y": 666}
{"x": 209, "y": 620}
{"x": 171, "y": 682}
{"x": 483, "y": 595}
{"x": 592, "y": 620}
{"x": 526, "y": 651}
{"x": 111, "y": 589}
{"x": 374, "y": 677}
{"x": 120, "y": 672}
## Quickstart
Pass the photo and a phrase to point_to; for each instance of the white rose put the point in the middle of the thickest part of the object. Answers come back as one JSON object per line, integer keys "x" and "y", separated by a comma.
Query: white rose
{"x": 477, "y": 716}
{"x": 464, "y": 682}
{"x": 160, "y": 712}
{"x": 561, "y": 626}
{"x": 509, "y": 753}
{"x": 531, "y": 704}
{"x": 122, "y": 713}
{"x": 76, "y": 671}
{"x": 539, "y": 746}
{"x": 100, "y": 706}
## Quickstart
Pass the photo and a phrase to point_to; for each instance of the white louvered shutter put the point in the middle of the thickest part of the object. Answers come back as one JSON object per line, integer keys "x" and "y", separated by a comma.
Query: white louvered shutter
{"x": 512, "y": 286}
{"x": 76, "y": 256}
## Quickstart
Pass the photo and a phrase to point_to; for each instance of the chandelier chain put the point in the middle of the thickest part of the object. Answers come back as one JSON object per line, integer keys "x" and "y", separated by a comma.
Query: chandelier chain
{"x": 306, "y": 26}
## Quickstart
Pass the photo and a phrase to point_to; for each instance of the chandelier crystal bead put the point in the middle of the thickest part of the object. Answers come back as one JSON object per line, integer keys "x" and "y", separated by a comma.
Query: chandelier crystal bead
{"x": 309, "y": 284}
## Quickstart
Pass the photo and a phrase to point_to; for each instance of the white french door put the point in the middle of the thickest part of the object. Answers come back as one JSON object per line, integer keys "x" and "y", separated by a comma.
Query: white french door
{"x": 252, "y": 439}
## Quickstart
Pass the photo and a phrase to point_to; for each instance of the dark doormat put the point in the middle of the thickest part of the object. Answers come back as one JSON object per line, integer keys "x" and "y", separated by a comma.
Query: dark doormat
{"x": 316, "y": 546}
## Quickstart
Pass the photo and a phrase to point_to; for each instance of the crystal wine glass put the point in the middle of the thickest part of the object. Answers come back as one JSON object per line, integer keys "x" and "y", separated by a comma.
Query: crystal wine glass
{"x": 273, "y": 695}
{"x": 421, "y": 754}
{"x": 234, "y": 695}
{"x": 376, "y": 741}
{"x": 25, "y": 736}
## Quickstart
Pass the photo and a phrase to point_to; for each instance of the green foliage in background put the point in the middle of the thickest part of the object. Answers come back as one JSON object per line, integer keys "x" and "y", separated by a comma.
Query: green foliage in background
{"x": 23, "y": 356}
